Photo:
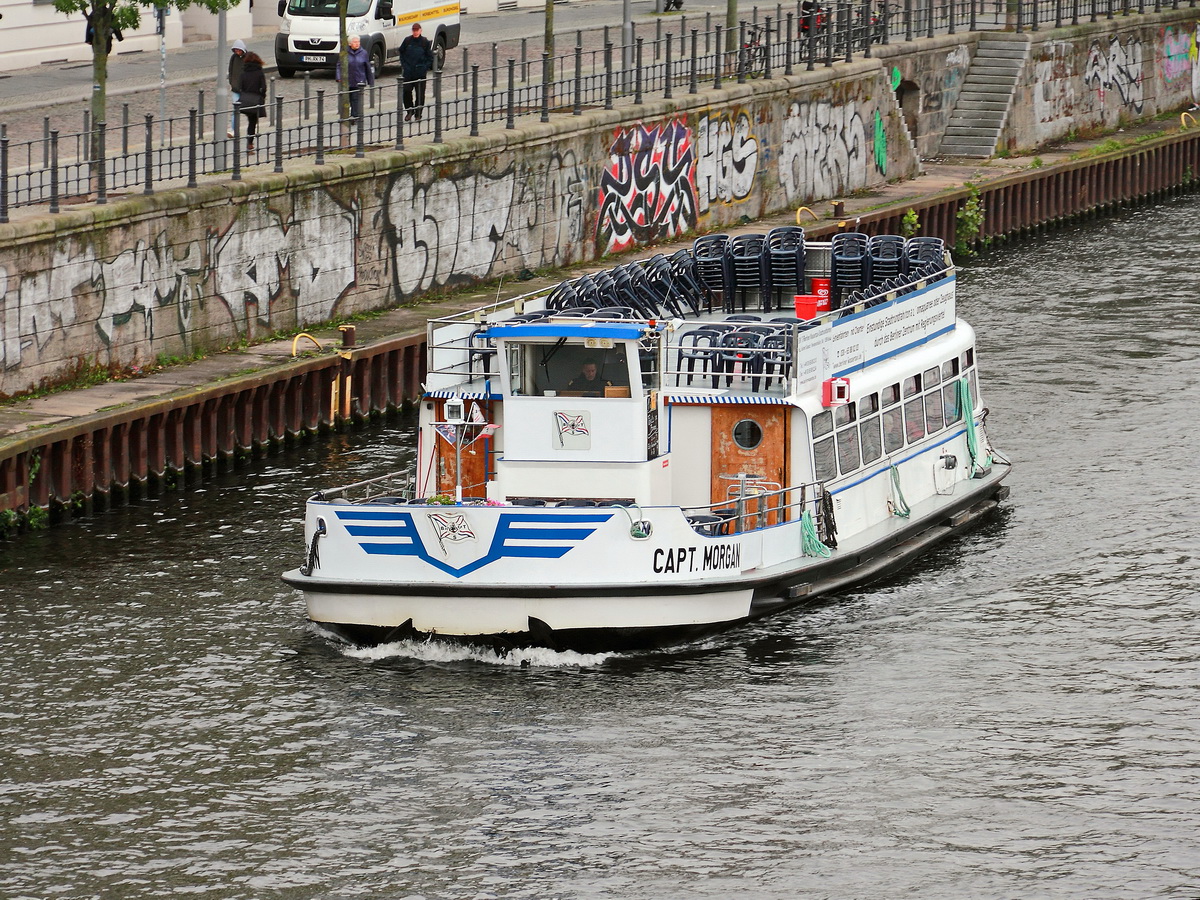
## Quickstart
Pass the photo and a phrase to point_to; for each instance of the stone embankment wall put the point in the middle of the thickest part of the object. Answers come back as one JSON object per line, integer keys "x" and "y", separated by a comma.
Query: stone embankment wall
{"x": 123, "y": 285}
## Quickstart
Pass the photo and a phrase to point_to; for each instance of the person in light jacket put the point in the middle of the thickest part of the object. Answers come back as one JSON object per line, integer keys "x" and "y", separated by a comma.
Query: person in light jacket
{"x": 416, "y": 58}
{"x": 358, "y": 61}
{"x": 237, "y": 62}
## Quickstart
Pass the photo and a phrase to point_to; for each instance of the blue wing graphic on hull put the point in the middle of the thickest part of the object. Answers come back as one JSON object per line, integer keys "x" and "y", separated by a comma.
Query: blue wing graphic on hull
{"x": 517, "y": 536}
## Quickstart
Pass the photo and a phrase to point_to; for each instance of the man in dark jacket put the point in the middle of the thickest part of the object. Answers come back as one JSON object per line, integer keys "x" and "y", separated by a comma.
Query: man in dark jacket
{"x": 358, "y": 61}
{"x": 416, "y": 58}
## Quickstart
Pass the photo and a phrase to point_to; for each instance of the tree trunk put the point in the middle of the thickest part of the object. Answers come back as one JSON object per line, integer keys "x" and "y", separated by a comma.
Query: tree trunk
{"x": 101, "y": 36}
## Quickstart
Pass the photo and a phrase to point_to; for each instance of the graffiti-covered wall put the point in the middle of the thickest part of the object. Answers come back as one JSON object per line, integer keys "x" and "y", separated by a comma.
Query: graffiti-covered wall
{"x": 166, "y": 276}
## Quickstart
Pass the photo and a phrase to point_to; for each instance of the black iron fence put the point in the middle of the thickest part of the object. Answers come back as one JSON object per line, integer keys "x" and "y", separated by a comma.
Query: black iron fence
{"x": 93, "y": 162}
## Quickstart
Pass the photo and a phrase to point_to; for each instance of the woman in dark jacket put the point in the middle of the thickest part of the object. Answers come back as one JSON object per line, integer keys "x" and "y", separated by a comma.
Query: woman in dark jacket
{"x": 253, "y": 93}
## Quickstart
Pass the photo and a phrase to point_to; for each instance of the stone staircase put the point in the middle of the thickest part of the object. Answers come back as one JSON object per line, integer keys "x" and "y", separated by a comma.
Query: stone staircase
{"x": 982, "y": 106}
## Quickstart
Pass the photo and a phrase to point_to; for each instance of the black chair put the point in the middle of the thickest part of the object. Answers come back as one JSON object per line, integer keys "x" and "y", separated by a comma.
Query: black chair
{"x": 740, "y": 357}
{"x": 710, "y": 254}
{"x": 785, "y": 263}
{"x": 613, "y": 312}
{"x": 700, "y": 296}
{"x": 850, "y": 262}
{"x": 700, "y": 347}
{"x": 888, "y": 257}
{"x": 743, "y": 317}
{"x": 527, "y": 501}
{"x": 576, "y": 501}
{"x": 777, "y": 357}
{"x": 922, "y": 251}
{"x": 748, "y": 272}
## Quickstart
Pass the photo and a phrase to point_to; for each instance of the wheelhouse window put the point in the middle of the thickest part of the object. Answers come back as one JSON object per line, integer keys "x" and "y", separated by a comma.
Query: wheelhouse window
{"x": 569, "y": 369}
{"x": 912, "y": 385}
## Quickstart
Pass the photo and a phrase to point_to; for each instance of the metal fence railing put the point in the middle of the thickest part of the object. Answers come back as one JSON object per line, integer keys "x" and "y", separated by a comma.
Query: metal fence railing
{"x": 89, "y": 163}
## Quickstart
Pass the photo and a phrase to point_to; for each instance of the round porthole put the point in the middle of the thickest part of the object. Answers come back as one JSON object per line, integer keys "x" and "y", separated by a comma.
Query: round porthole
{"x": 747, "y": 434}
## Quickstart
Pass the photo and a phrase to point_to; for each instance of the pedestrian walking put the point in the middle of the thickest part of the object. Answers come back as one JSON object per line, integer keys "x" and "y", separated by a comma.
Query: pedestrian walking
{"x": 253, "y": 95}
{"x": 416, "y": 58}
{"x": 237, "y": 61}
{"x": 358, "y": 61}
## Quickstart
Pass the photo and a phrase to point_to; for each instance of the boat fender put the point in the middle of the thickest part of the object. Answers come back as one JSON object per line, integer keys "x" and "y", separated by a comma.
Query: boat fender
{"x": 314, "y": 558}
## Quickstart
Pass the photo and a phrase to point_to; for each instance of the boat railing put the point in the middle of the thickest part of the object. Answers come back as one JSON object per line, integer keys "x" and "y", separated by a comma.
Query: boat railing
{"x": 397, "y": 486}
{"x": 755, "y": 504}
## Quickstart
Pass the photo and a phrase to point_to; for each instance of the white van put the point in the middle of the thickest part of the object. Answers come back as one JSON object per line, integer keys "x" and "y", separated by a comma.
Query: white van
{"x": 308, "y": 34}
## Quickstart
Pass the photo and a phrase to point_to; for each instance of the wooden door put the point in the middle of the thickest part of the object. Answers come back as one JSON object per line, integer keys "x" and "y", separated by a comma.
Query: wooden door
{"x": 475, "y": 458}
{"x": 734, "y": 450}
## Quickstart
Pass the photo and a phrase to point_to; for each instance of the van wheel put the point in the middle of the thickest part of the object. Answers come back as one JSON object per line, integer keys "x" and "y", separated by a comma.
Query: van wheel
{"x": 285, "y": 72}
{"x": 439, "y": 53}
{"x": 377, "y": 60}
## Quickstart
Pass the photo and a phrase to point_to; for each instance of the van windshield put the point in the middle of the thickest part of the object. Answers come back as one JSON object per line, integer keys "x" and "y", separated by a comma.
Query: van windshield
{"x": 327, "y": 8}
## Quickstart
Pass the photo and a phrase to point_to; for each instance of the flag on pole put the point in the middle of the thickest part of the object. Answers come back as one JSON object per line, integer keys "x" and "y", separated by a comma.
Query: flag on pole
{"x": 476, "y": 416}
{"x": 448, "y": 432}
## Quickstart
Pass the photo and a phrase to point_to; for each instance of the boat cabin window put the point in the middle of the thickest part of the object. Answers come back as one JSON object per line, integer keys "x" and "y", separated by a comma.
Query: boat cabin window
{"x": 747, "y": 434}
{"x": 930, "y": 403}
{"x": 893, "y": 429}
{"x": 824, "y": 462}
{"x": 849, "y": 458}
{"x": 822, "y": 423}
{"x": 568, "y": 369}
{"x": 914, "y": 419}
{"x": 933, "y": 412}
{"x": 872, "y": 444}
{"x": 950, "y": 402}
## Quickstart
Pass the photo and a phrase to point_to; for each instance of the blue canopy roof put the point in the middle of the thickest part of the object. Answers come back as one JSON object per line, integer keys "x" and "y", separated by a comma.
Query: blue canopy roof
{"x": 578, "y": 328}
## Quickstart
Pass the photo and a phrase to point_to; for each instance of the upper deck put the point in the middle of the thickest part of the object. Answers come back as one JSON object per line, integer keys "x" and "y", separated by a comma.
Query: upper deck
{"x": 714, "y": 324}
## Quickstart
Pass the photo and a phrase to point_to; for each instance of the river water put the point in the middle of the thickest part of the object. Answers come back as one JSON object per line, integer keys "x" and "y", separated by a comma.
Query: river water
{"x": 1015, "y": 716}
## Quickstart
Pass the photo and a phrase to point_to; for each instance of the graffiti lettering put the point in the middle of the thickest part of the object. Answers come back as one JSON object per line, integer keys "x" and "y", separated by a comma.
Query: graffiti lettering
{"x": 726, "y": 159}
{"x": 824, "y": 151}
{"x": 648, "y": 191}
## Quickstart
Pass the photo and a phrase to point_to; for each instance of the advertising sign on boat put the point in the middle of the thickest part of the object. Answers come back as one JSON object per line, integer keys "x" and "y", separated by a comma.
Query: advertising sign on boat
{"x": 837, "y": 348}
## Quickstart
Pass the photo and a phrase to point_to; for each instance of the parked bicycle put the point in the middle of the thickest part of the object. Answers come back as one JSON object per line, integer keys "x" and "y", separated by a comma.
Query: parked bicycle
{"x": 752, "y": 59}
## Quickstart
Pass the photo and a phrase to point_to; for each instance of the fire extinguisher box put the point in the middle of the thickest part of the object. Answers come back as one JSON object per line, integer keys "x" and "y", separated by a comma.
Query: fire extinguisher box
{"x": 835, "y": 392}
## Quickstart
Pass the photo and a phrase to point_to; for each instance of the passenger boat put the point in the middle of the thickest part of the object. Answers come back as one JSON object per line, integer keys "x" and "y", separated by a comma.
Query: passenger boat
{"x": 668, "y": 448}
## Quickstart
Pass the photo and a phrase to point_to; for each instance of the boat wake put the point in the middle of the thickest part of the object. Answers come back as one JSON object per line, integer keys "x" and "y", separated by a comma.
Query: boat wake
{"x": 443, "y": 652}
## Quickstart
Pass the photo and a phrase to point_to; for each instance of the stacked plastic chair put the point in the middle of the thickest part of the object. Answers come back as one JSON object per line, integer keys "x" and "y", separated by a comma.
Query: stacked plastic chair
{"x": 923, "y": 250}
{"x": 888, "y": 257}
{"x": 710, "y": 253}
{"x": 851, "y": 265}
{"x": 785, "y": 264}
{"x": 748, "y": 276}
{"x": 700, "y": 296}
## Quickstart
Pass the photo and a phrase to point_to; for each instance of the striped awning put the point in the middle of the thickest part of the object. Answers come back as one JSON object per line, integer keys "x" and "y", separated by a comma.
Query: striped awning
{"x": 450, "y": 393}
{"x": 725, "y": 400}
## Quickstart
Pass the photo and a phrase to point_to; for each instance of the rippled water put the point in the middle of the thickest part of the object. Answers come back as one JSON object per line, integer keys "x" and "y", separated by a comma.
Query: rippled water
{"x": 1016, "y": 716}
